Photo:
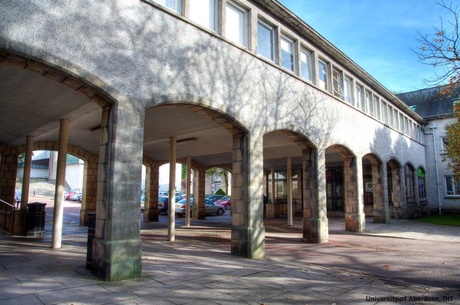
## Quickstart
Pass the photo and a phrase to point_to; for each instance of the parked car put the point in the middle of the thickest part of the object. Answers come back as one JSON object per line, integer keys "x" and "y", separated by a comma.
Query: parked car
{"x": 211, "y": 208}
{"x": 70, "y": 193}
{"x": 76, "y": 196}
{"x": 163, "y": 205}
{"x": 214, "y": 198}
{"x": 226, "y": 202}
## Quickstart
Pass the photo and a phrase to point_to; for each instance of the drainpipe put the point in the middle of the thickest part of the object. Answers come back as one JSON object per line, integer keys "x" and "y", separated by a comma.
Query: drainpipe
{"x": 433, "y": 127}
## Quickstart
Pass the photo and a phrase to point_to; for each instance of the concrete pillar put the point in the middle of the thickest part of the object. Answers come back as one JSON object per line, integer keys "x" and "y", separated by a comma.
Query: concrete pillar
{"x": 172, "y": 190}
{"x": 314, "y": 199}
{"x": 248, "y": 232}
{"x": 58, "y": 217}
{"x": 188, "y": 190}
{"x": 290, "y": 219}
{"x": 273, "y": 186}
{"x": 353, "y": 196}
{"x": 117, "y": 247}
{"x": 26, "y": 174}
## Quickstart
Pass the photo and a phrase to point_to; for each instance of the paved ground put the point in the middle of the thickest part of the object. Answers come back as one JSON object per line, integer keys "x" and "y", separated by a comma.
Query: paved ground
{"x": 406, "y": 262}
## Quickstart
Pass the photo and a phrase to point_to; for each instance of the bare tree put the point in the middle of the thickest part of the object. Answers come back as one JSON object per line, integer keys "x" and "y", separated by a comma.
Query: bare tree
{"x": 442, "y": 49}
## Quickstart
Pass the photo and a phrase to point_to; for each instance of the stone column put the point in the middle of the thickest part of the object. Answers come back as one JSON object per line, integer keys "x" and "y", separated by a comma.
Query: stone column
{"x": 8, "y": 171}
{"x": 315, "y": 223}
{"x": 89, "y": 189}
{"x": 290, "y": 219}
{"x": 379, "y": 209}
{"x": 386, "y": 199}
{"x": 117, "y": 252}
{"x": 152, "y": 177}
{"x": 199, "y": 210}
{"x": 26, "y": 174}
{"x": 353, "y": 196}
{"x": 58, "y": 216}
{"x": 248, "y": 232}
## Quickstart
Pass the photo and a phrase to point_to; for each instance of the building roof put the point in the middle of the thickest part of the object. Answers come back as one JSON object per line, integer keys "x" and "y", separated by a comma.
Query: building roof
{"x": 430, "y": 103}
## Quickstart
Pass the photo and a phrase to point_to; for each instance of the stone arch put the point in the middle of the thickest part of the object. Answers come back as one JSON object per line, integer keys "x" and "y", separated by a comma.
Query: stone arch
{"x": 341, "y": 158}
{"x": 61, "y": 75}
{"x": 374, "y": 201}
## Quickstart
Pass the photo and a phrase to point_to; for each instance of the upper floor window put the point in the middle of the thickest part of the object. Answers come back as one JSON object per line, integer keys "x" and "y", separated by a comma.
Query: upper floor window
{"x": 205, "y": 13}
{"x": 323, "y": 75}
{"x": 359, "y": 97}
{"x": 347, "y": 90}
{"x": 287, "y": 53}
{"x": 376, "y": 107}
{"x": 337, "y": 83}
{"x": 265, "y": 40}
{"x": 236, "y": 24}
{"x": 306, "y": 66}
{"x": 175, "y": 5}
{"x": 367, "y": 102}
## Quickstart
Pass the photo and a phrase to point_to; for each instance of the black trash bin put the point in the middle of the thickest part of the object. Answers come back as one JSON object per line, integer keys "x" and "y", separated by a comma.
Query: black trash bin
{"x": 91, "y": 234}
{"x": 35, "y": 219}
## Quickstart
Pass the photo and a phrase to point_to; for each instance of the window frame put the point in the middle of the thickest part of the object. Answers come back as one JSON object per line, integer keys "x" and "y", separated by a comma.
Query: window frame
{"x": 338, "y": 83}
{"x": 293, "y": 58}
{"x": 245, "y": 24}
{"x": 323, "y": 84}
{"x": 309, "y": 63}
{"x": 179, "y": 4}
{"x": 455, "y": 186}
{"x": 272, "y": 31}
{"x": 215, "y": 17}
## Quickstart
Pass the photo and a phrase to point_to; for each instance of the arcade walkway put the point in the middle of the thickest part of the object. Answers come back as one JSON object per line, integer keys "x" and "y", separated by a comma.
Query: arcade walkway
{"x": 197, "y": 268}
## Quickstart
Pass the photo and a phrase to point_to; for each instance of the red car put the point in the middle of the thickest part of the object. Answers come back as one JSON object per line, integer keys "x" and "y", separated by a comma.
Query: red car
{"x": 225, "y": 202}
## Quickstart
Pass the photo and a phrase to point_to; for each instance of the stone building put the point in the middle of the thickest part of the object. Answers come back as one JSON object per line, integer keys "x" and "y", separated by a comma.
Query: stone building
{"x": 243, "y": 85}
{"x": 443, "y": 191}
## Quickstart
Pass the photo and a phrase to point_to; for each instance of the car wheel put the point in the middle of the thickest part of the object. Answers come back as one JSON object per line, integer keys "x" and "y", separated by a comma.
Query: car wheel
{"x": 220, "y": 212}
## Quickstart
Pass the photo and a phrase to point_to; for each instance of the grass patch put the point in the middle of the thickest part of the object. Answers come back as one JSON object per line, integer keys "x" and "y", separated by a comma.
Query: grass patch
{"x": 444, "y": 219}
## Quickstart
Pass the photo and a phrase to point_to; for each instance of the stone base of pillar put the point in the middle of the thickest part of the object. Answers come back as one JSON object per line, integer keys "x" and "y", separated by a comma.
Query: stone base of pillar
{"x": 379, "y": 216}
{"x": 315, "y": 230}
{"x": 270, "y": 211}
{"x": 151, "y": 215}
{"x": 117, "y": 260}
{"x": 248, "y": 242}
{"x": 355, "y": 222}
{"x": 198, "y": 213}
{"x": 19, "y": 226}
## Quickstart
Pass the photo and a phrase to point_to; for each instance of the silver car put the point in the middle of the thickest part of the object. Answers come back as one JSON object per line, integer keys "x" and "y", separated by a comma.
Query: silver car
{"x": 211, "y": 208}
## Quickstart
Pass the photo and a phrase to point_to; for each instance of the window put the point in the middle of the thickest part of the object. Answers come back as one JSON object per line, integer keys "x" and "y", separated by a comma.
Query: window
{"x": 205, "y": 13}
{"x": 287, "y": 53}
{"x": 444, "y": 145}
{"x": 452, "y": 186}
{"x": 265, "y": 40}
{"x": 175, "y": 5}
{"x": 347, "y": 93}
{"x": 359, "y": 97}
{"x": 367, "y": 101}
{"x": 410, "y": 185}
{"x": 323, "y": 75}
{"x": 421, "y": 184}
{"x": 337, "y": 82}
{"x": 306, "y": 67}
{"x": 236, "y": 24}
{"x": 384, "y": 112}
{"x": 376, "y": 107}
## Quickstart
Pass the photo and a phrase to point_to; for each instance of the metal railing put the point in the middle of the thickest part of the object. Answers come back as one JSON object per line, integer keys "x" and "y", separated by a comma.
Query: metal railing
{"x": 7, "y": 211}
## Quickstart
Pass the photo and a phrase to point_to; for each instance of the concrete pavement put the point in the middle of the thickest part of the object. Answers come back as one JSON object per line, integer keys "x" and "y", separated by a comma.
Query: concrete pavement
{"x": 406, "y": 262}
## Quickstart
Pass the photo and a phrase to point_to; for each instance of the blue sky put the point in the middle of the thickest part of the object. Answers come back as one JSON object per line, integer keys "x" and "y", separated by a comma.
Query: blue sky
{"x": 378, "y": 35}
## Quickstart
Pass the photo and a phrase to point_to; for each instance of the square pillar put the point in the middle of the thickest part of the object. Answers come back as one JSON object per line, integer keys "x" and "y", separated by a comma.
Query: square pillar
{"x": 314, "y": 223}
{"x": 354, "y": 204}
{"x": 248, "y": 232}
{"x": 117, "y": 252}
